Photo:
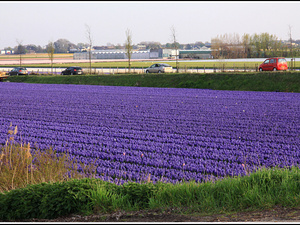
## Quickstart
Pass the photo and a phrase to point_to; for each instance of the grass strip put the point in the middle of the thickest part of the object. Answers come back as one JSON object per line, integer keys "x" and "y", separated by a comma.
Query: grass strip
{"x": 262, "y": 189}
{"x": 260, "y": 81}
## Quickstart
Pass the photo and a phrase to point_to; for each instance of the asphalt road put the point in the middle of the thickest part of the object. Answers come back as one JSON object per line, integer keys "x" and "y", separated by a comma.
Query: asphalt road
{"x": 15, "y": 63}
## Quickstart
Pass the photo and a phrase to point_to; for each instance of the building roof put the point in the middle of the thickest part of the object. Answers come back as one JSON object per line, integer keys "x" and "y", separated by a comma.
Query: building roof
{"x": 195, "y": 51}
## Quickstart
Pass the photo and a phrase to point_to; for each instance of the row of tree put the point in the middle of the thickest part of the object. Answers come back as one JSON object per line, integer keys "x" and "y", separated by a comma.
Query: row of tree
{"x": 253, "y": 46}
{"x": 222, "y": 46}
{"x": 61, "y": 46}
{"x": 65, "y": 46}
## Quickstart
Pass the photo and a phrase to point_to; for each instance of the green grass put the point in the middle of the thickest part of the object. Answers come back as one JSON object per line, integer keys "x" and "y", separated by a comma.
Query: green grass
{"x": 39, "y": 193}
{"x": 42, "y": 190}
{"x": 260, "y": 190}
{"x": 248, "y": 81}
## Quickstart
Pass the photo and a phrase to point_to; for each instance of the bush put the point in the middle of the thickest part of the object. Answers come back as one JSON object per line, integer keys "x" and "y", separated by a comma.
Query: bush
{"x": 47, "y": 201}
{"x": 262, "y": 189}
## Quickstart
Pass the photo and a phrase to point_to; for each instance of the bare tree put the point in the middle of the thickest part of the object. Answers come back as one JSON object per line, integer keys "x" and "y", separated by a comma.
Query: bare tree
{"x": 50, "y": 51}
{"x": 246, "y": 45}
{"x": 128, "y": 47}
{"x": 90, "y": 42}
{"x": 216, "y": 44}
{"x": 21, "y": 50}
{"x": 176, "y": 46}
{"x": 291, "y": 43}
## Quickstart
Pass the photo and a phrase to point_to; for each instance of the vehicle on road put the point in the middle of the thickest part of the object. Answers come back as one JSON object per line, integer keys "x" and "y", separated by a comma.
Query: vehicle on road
{"x": 159, "y": 68}
{"x": 3, "y": 75}
{"x": 274, "y": 64}
{"x": 74, "y": 70}
{"x": 18, "y": 71}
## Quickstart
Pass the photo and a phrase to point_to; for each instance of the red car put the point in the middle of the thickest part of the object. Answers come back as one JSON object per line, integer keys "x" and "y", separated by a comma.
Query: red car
{"x": 274, "y": 64}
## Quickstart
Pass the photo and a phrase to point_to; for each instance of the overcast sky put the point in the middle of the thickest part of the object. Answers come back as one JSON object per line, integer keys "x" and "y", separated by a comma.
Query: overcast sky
{"x": 40, "y": 22}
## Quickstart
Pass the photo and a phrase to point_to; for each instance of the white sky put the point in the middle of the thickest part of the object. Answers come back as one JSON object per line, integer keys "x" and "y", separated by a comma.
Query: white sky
{"x": 39, "y": 22}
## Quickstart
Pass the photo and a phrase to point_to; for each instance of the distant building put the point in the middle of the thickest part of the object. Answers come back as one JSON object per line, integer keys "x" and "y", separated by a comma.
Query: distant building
{"x": 7, "y": 52}
{"x": 203, "y": 53}
{"x": 121, "y": 54}
{"x": 72, "y": 50}
{"x": 86, "y": 49}
{"x": 207, "y": 44}
{"x": 103, "y": 47}
{"x": 112, "y": 54}
{"x": 170, "y": 53}
{"x": 141, "y": 47}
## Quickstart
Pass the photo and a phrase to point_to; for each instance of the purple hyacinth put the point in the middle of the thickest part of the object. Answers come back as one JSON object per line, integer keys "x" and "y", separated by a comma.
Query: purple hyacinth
{"x": 171, "y": 134}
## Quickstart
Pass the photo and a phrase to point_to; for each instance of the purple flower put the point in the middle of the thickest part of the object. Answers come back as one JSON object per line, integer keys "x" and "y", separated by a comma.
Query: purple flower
{"x": 173, "y": 134}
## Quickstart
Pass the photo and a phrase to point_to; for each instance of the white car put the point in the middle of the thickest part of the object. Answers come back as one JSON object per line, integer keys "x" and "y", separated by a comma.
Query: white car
{"x": 159, "y": 68}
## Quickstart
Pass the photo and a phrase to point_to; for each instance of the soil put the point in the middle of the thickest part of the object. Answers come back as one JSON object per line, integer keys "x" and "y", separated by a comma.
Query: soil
{"x": 276, "y": 214}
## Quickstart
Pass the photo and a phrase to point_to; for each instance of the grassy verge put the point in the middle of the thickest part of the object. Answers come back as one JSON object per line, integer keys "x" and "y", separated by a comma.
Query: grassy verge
{"x": 263, "y": 189}
{"x": 40, "y": 189}
{"x": 260, "y": 81}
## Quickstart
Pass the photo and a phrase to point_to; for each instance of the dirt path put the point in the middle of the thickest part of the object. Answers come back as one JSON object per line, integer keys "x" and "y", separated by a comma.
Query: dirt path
{"x": 277, "y": 214}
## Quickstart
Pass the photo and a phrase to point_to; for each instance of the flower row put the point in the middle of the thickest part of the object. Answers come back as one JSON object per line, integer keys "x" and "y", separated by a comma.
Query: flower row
{"x": 171, "y": 134}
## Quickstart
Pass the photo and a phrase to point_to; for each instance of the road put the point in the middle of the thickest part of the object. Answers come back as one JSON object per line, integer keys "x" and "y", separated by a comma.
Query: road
{"x": 100, "y": 71}
{"x": 15, "y": 62}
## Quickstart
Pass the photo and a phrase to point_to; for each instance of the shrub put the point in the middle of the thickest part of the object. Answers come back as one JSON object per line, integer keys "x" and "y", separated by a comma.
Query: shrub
{"x": 47, "y": 201}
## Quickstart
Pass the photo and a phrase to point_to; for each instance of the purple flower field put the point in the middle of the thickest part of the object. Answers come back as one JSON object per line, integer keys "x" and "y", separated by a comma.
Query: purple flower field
{"x": 171, "y": 134}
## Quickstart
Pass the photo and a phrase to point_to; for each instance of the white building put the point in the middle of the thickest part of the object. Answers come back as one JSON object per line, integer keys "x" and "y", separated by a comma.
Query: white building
{"x": 111, "y": 54}
{"x": 7, "y": 52}
{"x": 121, "y": 54}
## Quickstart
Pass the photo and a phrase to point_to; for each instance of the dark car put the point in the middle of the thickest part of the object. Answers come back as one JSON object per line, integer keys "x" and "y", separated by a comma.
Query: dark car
{"x": 159, "y": 68}
{"x": 74, "y": 70}
{"x": 18, "y": 71}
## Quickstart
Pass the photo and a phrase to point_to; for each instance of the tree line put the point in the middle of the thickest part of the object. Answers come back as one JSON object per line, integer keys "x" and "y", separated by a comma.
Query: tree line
{"x": 223, "y": 46}
{"x": 60, "y": 46}
{"x": 262, "y": 45}
{"x": 65, "y": 46}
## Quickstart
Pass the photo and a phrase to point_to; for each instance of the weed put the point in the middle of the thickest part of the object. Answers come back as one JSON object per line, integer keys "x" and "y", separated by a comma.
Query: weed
{"x": 21, "y": 166}
{"x": 47, "y": 189}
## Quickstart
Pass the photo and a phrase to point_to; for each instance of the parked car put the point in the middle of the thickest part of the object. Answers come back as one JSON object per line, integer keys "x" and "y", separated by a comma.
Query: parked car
{"x": 159, "y": 68}
{"x": 74, "y": 70}
{"x": 274, "y": 64}
{"x": 3, "y": 75}
{"x": 18, "y": 71}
